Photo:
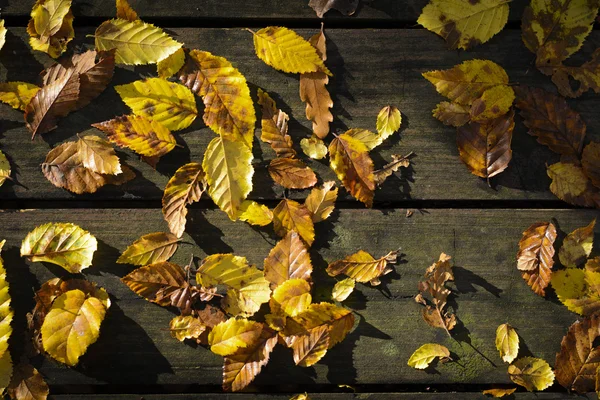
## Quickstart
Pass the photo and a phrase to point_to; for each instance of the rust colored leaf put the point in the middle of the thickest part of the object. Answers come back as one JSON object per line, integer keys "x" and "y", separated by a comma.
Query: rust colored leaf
{"x": 362, "y": 267}
{"x": 27, "y": 384}
{"x": 157, "y": 282}
{"x": 292, "y": 173}
{"x": 289, "y": 215}
{"x": 535, "y": 258}
{"x": 289, "y": 259}
{"x": 309, "y": 349}
{"x": 321, "y": 201}
{"x": 586, "y": 76}
{"x": 274, "y": 126}
{"x": 397, "y": 162}
{"x": 346, "y": 7}
{"x": 590, "y": 161}
{"x": 124, "y": 11}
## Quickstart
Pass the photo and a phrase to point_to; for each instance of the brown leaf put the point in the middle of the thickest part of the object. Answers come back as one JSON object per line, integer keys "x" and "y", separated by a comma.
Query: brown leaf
{"x": 570, "y": 184}
{"x": 485, "y": 147}
{"x": 124, "y": 11}
{"x": 434, "y": 285}
{"x": 452, "y": 114}
{"x": 398, "y": 162}
{"x": 550, "y": 119}
{"x": 289, "y": 215}
{"x": 274, "y": 126}
{"x": 590, "y": 161}
{"x": 579, "y": 356}
{"x": 346, "y": 7}
{"x": 289, "y": 259}
{"x": 51, "y": 102}
{"x": 292, "y": 173}
{"x": 536, "y": 255}
{"x": 309, "y": 349}
{"x": 27, "y": 384}
{"x": 313, "y": 91}
{"x": 587, "y": 77}
{"x": 157, "y": 282}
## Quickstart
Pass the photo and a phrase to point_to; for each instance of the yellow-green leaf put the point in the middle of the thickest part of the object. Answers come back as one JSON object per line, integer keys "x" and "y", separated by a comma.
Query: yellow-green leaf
{"x": 285, "y": 50}
{"x": 149, "y": 249}
{"x": 343, "y": 289}
{"x": 424, "y": 355}
{"x": 63, "y": 244}
{"x": 531, "y": 373}
{"x": 229, "y": 170}
{"x": 314, "y": 147}
{"x": 4, "y": 168}
{"x": 17, "y": 94}
{"x": 366, "y": 137}
{"x": 6, "y": 317}
{"x": 388, "y": 121}
{"x": 136, "y": 42}
{"x": 236, "y": 333}
{"x": 291, "y": 297}
{"x": 507, "y": 342}
{"x": 255, "y": 213}
{"x": 72, "y": 325}
{"x": 157, "y": 99}
{"x": 577, "y": 246}
{"x": 186, "y": 327}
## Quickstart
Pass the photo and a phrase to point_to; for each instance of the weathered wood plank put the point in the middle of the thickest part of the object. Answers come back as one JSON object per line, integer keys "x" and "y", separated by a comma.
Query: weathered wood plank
{"x": 382, "y": 10}
{"x": 135, "y": 347}
{"x": 318, "y": 396}
{"x": 372, "y": 68}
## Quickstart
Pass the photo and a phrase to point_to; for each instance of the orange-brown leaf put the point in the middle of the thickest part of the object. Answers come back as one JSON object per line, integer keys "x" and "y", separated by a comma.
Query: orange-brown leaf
{"x": 452, "y": 114}
{"x": 124, "y": 11}
{"x": 309, "y": 349}
{"x": 362, "y": 267}
{"x": 586, "y": 76}
{"x": 289, "y": 259}
{"x": 274, "y": 126}
{"x": 289, "y": 215}
{"x": 292, "y": 173}
{"x": 536, "y": 255}
{"x": 590, "y": 161}
{"x": 27, "y": 384}
{"x": 157, "y": 282}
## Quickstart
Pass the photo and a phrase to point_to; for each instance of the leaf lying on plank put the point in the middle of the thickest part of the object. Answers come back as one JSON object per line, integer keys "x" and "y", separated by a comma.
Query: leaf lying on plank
{"x": 343, "y": 289}
{"x": 289, "y": 215}
{"x": 51, "y": 26}
{"x": 289, "y": 259}
{"x": 313, "y": 89}
{"x": 536, "y": 255}
{"x": 186, "y": 327}
{"x": 28, "y": 384}
{"x": 424, "y": 355}
{"x": 228, "y": 107}
{"x": 499, "y": 392}
{"x": 587, "y": 77}
{"x": 366, "y": 137}
{"x": 98, "y": 156}
{"x": 124, "y": 11}
{"x": 169, "y": 103}
{"x": 291, "y": 298}
{"x": 157, "y": 282}
{"x": 362, "y": 267}
{"x": 6, "y": 317}
{"x": 578, "y": 289}
{"x": 590, "y": 161}
{"x": 314, "y": 148}
{"x": 228, "y": 337}
{"x": 135, "y": 42}
{"x": 531, "y": 373}
{"x": 577, "y": 246}
{"x": 171, "y": 65}
{"x": 62, "y": 244}
{"x": 229, "y": 170}
{"x": 507, "y": 342}
{"x": 346, "y": 7}
{"x": 17, "y": 94}
{"x": 285, "y": 50}
{"x": 570, "y": 184}
{"x": 435, "y": 312}
{"x": 150, "y": 249}
{"x": 452, "y": 114}
{"x": 389, "y": 120}
{"x": 321, "y": 201}
{"x": 397, "y": 162}
{"x": 274, "y": 127}
{"x": 465, "y": 24}
{"x": 255, "y": 213}
{"x": 292, "y": 173}
{"x": 493, "y": 103}
{"x": 4, "y": 168}
{"x": 185, "y": 187}
{"x": 3, "y": 31}
{"x": 579, "y": 356}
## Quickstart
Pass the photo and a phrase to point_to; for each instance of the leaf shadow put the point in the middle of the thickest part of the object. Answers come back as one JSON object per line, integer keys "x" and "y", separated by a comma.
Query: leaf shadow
{"x": 338, "y": 86}
{"x": 21, "y": 65}
{"x": 109, "y": 256}
{"x": 207, "y": 236}
{"x": 464, "y": 280}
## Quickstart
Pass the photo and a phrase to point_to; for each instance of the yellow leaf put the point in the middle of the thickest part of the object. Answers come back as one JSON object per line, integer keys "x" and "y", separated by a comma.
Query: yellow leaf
{"x": 289, "y": 215}
{"x": 185, "y": 187}
{"x": 289, "y": 259}
{"x": 17, "y": 94}
{"x": 291, "y": 297}
{"x": 228, "y": 107}
{"x": 4, "y": 168}
{"x": 388, "y": 121}
{"x": 6, "y": 317}
{"x": 169, "y": 103}
{"x": 570, "y": 184}
{"x": 577, "y": 246}
{"x": 124, "y": 11}
{"x": 314, "y": 147}
{"x": 186, "y": 327}
{"x": 301, "y": 396}
{"x": 229, "y": 170}
{"x": 284, "y": 50}
{"x": 531, "y": 373}
{"x": 362, "y": 267}
{"x": 255, "y": 213}
{"x": 578, "y": 290}
{"x": 236, "y": 333}
{"x": 368, "y": 138}
{"x": 149, "y": 249}
{"x": 72, "y": 325}
{"x": 246, "y": 285}
{"x": 493, "y": 103}
{"x": 136, "y": 42}
{"x": 171, "y": 65}
{"x": 62, "y": 244}
{"x": 507, "y": 342}
{"x": 343, "y": 289}
{"x": 3, "y": 31}
{"x": 321, "y": 201}
{"x": 148, "y": 138}
{"x": 310, "y": 348}
{"x": 499, "y": 392}
{"x": 465, "y": 23}
{"x": 98, "y": 155}
{"x": 424, "y": 355}
{"x": 339, "y": 320}
{"x": 51, "y": 26}
{"x": 467, "y": 82}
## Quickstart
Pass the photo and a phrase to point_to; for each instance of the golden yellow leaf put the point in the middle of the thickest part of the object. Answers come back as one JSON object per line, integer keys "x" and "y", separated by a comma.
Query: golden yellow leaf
{"x": 465, "y": 23}
{"x": 313, "y": 147}
{"x": 507, "y": 342}
{"x": 289, "y": 259}
{"x": 6, "y": 317}
{"x": 578, "y": 290}
{"x": 284, "y": 50}
{"x": 185, "y": 187}
{"x": 321, "y": 201}
{"x": 274, "y": 127}
{"x": 350, "y": 160}
{"x": 311, "y": 347}
{"x": 339, "y": 320}
{"x": 531, "y": 373}
{"x": 229, "y": 170}
{"x": 72, "y": 325}
{"x": 570, "y": 184}
{"x": 291, "y": 297}
{"x": 149, "y": 249}
{"x": 228, "y": 107}
{"x": 301, "y": 396}
{"x": 368, "y": 138}
{"x": 4, "y": 168}
{"x": 362, "y": 267}
{"x": 171, "y": 104}
{"x": 236, "y": 333}
{"x": 124, "y": 11}
{"x": 3, "y": 31}
{"x": 17, "y": 94}
{"x": 186, "y": 327}
{"x": 499, "y": 392}
{"x": 389, "y": 120}
{"x": 343, "y": 289}
{"x": 255, "y": 213}
{"x": 171, "y": 65}
{"x": 493, "y": 103}
{"x": 136, "y": 42}
{"x": 246, "y": 285}
{"x": 289, "y": 215}
{"x": 146, "y": 137}
{"x": 292, "y": 173}
{"x": 577, "y": 246}
{"x": 98, "y": 155}
{"x": 51, "y": 26}
{"x": 63, "y": 244}
{"x": 424, "y": 355}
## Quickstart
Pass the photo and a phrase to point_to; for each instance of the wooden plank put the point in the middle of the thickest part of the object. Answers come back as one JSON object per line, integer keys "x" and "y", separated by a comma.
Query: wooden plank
{"x": 372, "y": 68}
{"x": 135, "y": 347}
{"x": 377, "y": 10}
{"x": 317, "y": 396}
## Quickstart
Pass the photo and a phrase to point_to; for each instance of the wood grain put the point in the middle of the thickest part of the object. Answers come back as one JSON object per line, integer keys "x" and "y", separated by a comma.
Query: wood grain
{"x": 318, "y": 396}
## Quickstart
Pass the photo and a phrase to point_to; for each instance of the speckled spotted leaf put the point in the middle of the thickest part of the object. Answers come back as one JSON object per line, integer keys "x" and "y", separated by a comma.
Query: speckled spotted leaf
{"x": 321, "y": 201}
{"x": 150, "y": 249}
{"x": 289, "y": 215}
{"x": 6, "y": 317}
{"x": 570, "y": 184}
{"x": 289, "y": 259}
{"x": 291, "y": 298}
{"x": 493, "y": 103}
{"x": 292, "y": 173}
{"x": 424, "y": 355}
{"x": 346, "y": 7}
{"x": 577, "y": 246}
{"x": 228, "y": 107}
{"x": 62, "y": 244}
{"x": 362, "y": 267}
{"x": 535, "y": 258}
{"x": 17, "y": 94}
{"x": 585, "y": 77}
{"x": 507, "y": 342}
{"x": 228, "y": 337}
{"x": 274, "y": 127}
{"x": 531, "y": 373}
{"x": 50, "y": 28}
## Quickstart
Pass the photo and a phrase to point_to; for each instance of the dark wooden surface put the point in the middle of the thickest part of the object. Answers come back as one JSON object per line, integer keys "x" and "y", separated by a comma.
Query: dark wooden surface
{"x": 478, "y": 225}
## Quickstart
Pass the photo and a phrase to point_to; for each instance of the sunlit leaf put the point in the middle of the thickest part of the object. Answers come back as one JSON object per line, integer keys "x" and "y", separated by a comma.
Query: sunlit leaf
{"x": 343, "y": 289}
{"x": 289, "y": 259}
{"x": 186, "y": 327}
{"x": 507, "y": 342}
{"x": 577, "y": 246}
{"x": 362, "y": 267}
{"x": 292, "y": 173}
{"x": 17, "y": 94}
{"x": 424, "y": 355}
{"x": 314, "y": 148}
{"x": 389, "y": 120}
{"x": 536, "y": 255}
{"x": 531, "y": 373}
{"x": 228, "y": 337}
{"x": 321, "y": 201}
{"x": 149, "y": 249}
{"x": 289, "y": 215}
{"x": 98, "y": 155}
{"x": 292, "y": 297}
{"x": 51, "y": 26}
{"x": 274, "y": 127}
{"x": 255, "y": 213}
{"x": 6, "y": 317}
{"x": 4, "y": 168}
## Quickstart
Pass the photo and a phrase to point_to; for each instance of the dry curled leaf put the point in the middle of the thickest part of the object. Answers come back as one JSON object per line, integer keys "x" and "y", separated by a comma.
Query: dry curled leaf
{"x": 50, "y": 28}
{"x": 362, "y": 267}
{"x": 308, "y": 349}
{"x": 531, "y": 373}
{"x": 536, "y": 255}
{"x": 150, "y": 249}
{"x": 321, "y": 201}
{"x": 274, "y": 127}
{"x": 424, "y": 355}
{"x": 289, "y": 259}
{"x": 292, "y": 173}
{"x": 587, "y": 77}
{"x": 289, "y": 215}
{"x": 507, "y": 342}
{"x": 346, "y": 7}
{"x": 397, "y": 162}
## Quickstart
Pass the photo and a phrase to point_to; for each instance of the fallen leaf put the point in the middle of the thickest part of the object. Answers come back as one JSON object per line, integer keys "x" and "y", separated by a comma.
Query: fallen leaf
{"x": 150, "y": 249}
{"x": 228, "y": 337}
{"x": 186, "y": 327}
{"x": 536, "y": 255}
{"x": 63, "y": 244}
{"x": 424, "y": 355}
{"x": 593, "y": 264}
{"x": 291, "y": 298}
{"x": 310, "y": 348}
{"x": 124, "y": 11}
{"x": 590, "y": 161}
{"x": 343, "y": 289}
{"x": 397, "y": 162}
{"x": 6, "y": 317}
{"x": 51, "y": 26}
{"x": 289, "y": 215}
{"x": 169, "y": 66}
{"x": 578, "y": 290}
{"x": 301, "y": 396}
{"x": 499, "y": 392}
{"x": 465, "y": 24}
{"x": 274, "y": 127}
{"x": 493, "y": 103}
{"x": 366, "y": 137}
{"x": 157, "y": 282}
{"x": 28, "y": 384}
{"x": 17, "y": 94}
{"x": 389, "y": 120}
{"x": 531, "y": 373}
{"x": 292, "y": 173}
{"x": 314, "y": 147}
{"x": 289, "y": 259}
{"x": 185, "y": 187}
{"x": 321, "y": 201}
{"x": 452, "y": 114}
{"x": 98, "y": 155}
{"x": 362, "y": 267}
{"x": 507, "y": 342}
{"x": 570, "y": 184}
{"x": 4, "y": 168}
{"x": 577, "y": 246}
{"x": 228, "y": 107}
{"x": 255, "y": 213}
{"x": 346, "y": 7}
{"x": 586, "y": 76}
{"x": 3, "y": 31}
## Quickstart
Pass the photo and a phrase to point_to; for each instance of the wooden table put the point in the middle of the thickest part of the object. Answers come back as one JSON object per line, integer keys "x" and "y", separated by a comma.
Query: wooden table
{"x": 377, "y": 58}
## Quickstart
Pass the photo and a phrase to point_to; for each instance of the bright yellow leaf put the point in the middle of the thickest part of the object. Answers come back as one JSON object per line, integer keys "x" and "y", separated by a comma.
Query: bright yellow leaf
{"x": 321, "y": 201}
{"x": 236, "y": 333}
{"x": 314, "y": 147}
{"x": 6, "y": 317}
{"x": 3, "y": 31}
{"x": 98, "y": 155}
{"x": 388, "y": 121}
{"x": 577, "y": 246}
{"x": 171, "y": 65}
{"x": 291, "y": 297}
{"x": 186, "y": 327}
{"x": 531, "y": 373}
{"x": 149, "y": 249}
{"x": 4, "y": 168}
{"x": 366, "y": 137}
{"x": 424, "y": 355}
{"x": 17, "y": 94}
{"x": 255, "y": 213}
{"x": 51, "y": 26}
{"x": 339, "y": 320}
{"x": 493, "y": 103}
{"x": 343, "y": 289}
{"x": 507, "y": 342}
{"x": 289, "y": 215}
{"x": 362, "y": 267}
